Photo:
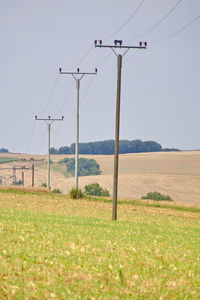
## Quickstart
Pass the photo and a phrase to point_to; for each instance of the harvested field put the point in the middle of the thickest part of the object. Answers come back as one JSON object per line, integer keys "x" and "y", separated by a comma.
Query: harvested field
{"x": 173, "y": 173}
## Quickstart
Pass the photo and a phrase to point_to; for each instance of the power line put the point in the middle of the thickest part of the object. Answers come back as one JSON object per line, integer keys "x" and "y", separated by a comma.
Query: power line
{"x": 87, "y": 90}
{"x": 84, "y": 56}
{"x": 65, "y": 98}
{"x": 126, "y": 22}
{"x": 161, "y": 21}
{"x": 130, "y": 57}
{"x": 42, "y": 142}
{"x": 116, "y": 31}
{"x": 104, "y": 60}
{"x": 180, "y": 30}
{"x": 51, "y": 94}
{"x": 30, "y": 140}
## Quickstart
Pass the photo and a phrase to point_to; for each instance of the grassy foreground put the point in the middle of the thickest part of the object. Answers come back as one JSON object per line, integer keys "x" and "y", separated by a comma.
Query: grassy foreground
{"x": 52, "y": 247}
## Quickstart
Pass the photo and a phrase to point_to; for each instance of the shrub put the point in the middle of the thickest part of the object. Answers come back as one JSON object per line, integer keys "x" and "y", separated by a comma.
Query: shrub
{"x": 19, "y": 182}
{"x": 94, "y": 189}
{"x": 157, "y": 196}
{"x": 44, "y": 185}
{"x": 76, "y": 193}
{"x": 57, "y": 191}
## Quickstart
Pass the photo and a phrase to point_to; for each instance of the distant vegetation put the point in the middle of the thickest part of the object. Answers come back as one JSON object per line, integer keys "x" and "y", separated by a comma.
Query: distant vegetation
{"x": 170, "y": 149}
{"x": 3, "y": 150}
{"x": 5, "y": 160}
{"x": 76, "y": 193}
{"x": 107, "y": 147}
{"x": 85, "y": 166}
{"x": 57, "y": 191}
{"x": 94, "y": 189}
{"x": 157, "y": 196}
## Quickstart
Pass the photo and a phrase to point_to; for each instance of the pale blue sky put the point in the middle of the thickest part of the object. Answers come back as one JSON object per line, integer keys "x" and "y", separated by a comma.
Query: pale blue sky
{"x": 160, "y": 86}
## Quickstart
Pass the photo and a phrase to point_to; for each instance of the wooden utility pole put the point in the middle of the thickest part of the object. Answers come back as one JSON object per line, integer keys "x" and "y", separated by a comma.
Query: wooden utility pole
{"x": 117, "y": 45}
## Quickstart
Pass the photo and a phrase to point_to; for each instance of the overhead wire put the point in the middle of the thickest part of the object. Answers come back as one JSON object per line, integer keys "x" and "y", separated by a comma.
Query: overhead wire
{"x": 133, "y": 55}
{"x": 110, "y": 35}
{"x": 31, "y": 138}
{"x": 85, "y": 55}
{"x": 72, "y": 112}
{"x": 126, "y": 22}
{"x": 51, "y": 94}
{"x": 42, "y": 111}
{"x": 65, "y": 98}
{"x": 87, "y": 90}
{"x": 180, "y": 30}
{"x": 104, "y": 59}
{"x": 158, "y": 23}
{"x": 42, "y": 141}
{"x": 61, "y": 107}
{"x": 57, "y": 133}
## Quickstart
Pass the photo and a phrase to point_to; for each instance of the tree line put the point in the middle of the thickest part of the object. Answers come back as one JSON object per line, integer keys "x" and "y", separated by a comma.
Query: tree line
{"x": 107, "y": 147}
{"x": 3, "y": 150}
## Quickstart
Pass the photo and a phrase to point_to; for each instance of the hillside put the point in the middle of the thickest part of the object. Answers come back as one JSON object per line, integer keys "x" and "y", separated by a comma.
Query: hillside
{"x": 174, "y": 173}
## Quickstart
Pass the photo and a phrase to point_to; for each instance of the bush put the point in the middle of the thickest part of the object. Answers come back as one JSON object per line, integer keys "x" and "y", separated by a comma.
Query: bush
{"x": 19, "y": 182}
{"x": 157, "y": 196}
{"x": 57, "y": 191}
{"x": 76, "y": 193}
{"x": 44, "y": 185}
{"x": 94, "y": 189}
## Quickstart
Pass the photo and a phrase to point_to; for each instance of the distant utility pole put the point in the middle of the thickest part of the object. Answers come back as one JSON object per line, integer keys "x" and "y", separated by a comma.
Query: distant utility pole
{"x": 49, "y": 122}
{"x": 77, "y": 76}
{"x": 118, "y": 45}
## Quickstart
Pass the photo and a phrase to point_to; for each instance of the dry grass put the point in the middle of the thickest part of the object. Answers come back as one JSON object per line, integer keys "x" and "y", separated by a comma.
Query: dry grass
{"x": 173, "y": 173}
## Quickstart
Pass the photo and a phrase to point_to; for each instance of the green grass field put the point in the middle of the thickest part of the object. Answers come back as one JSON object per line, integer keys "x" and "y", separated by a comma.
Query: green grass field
{"x": 5, "y": 160}
{"x": 52, "y": 247}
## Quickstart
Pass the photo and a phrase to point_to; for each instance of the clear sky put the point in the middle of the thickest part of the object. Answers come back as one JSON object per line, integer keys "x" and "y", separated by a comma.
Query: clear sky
{"x": 160, "y": 85}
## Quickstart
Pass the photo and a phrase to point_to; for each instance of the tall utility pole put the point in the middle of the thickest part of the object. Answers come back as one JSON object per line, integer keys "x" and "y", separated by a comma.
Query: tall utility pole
{"x": 77, "y": 76}
{"x": 49, "y": 122}
{"x": 118, "y": 45}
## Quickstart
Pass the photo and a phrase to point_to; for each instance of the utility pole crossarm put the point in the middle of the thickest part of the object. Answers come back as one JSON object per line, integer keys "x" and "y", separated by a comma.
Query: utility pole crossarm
{"x": 49, "y": 119}
{"x": 117, "y": 45}
{"x": 120, "y": 47}
{"x": 78, "y": 72}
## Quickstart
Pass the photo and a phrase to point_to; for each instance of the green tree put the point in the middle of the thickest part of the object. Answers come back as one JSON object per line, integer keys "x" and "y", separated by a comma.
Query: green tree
{"x": 86, "y": 166}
